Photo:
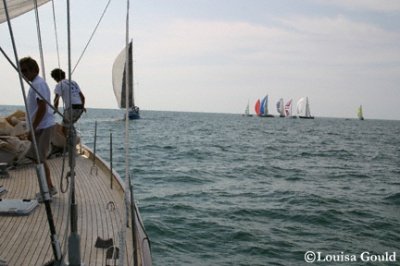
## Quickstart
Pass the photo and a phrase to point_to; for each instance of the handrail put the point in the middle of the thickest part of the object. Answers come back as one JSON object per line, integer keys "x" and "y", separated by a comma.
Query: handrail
{"x": 94, "y": 167}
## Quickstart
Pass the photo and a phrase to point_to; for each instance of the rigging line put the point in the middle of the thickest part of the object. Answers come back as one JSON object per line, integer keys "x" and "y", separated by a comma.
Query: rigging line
{"x": 133, "y": 206}
{"x": 29, "y": 83}
{"x": 39, "y": 166}
{"x": 91, "y": 36}
{"x": 128, "y": 183}
{"x": 39, "y": 40}
{"x": 56, "y": 33}
{"x": 20, "y": 78}
{"x": 74, "y": 249}
{"x": 126, "y": 141}
{"x": 65, "y": 238}
{"x": 62, "y": 171}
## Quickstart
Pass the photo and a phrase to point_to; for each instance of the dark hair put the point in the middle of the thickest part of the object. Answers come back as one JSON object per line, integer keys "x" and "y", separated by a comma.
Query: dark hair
{"x": 58, "y": 74}
{"x": 30, "y": 63}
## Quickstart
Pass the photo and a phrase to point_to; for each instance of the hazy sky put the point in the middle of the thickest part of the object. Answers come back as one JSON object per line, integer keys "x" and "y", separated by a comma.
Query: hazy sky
{"x": 216, "y": 55}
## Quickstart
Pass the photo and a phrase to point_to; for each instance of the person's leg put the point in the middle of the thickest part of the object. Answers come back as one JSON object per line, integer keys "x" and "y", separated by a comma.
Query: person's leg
{"x": 43, "y": 138}
{"x": 44, "y": 145}
{"x": 65, "y": 122}
{"x": 48, "y": 175}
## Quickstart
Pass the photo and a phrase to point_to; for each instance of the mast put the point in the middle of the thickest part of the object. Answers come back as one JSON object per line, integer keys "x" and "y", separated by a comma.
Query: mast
{"x": 128, "y": 182}
{"x": 74, "y": 254}
{"x": 130, "y": 76}
{"x": 55, "y": 243}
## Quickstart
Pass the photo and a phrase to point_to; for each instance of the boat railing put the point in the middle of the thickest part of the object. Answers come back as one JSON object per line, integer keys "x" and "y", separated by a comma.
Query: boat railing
{"x": 94, "y": 167}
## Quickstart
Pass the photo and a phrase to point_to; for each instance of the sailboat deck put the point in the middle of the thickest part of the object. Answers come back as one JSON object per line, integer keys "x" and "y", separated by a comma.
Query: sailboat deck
{"x": 25, "y": 240}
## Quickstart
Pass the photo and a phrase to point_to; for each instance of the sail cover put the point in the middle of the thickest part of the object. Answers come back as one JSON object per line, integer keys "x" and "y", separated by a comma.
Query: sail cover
{"x": 119, "y": 79}
{"x": 18, "y": 7}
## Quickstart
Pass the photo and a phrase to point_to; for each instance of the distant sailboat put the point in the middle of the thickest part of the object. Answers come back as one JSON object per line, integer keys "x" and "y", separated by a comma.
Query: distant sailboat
{"x": 261, "y": 107}
{"x": 119, "y": 83}
{"x": 303, "y": 108}
{"x": 360, "y": 113}
{"x": 257, "y": 108}
{"x": 288, "y": 109}
{"x": 247, "y": 110}
{"x": 280, "y": 108}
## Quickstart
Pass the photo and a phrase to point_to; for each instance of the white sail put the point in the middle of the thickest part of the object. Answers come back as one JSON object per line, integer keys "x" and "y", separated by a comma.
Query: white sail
{"x": 18, "y": 7}
{"x": 301, "y": 106}
{"x": 247, "y": 110}
{"x": 360, "y": 113}
{"x": 308, "y": 112}
{"x": 119, "y": 80}
{"x": 288, "y": 108}
{"x": 280, "y": 107}
{"x": 264, "y": 106}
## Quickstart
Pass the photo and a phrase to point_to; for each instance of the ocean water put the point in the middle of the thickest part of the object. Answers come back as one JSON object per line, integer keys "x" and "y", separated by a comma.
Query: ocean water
{"x": 223, "y": 189}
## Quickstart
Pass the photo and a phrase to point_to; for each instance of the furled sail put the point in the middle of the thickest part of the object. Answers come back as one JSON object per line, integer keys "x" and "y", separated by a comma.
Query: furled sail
{"x": 18, "y": 7}
{"x": 119, "y": 80}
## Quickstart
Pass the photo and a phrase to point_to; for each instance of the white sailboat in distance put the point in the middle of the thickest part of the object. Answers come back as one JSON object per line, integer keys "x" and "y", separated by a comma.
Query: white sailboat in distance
{"x": 303, "y": 109}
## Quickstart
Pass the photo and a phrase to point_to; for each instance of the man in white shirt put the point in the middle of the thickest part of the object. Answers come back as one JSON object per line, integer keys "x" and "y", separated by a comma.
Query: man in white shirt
{"x": 40, "y": 114}
{"x": 73, "y": 107}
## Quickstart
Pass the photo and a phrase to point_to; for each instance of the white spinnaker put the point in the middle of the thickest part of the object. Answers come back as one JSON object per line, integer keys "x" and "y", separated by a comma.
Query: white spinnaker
{"x": 301, "y": 104}
{"x": 118, "y": 76}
